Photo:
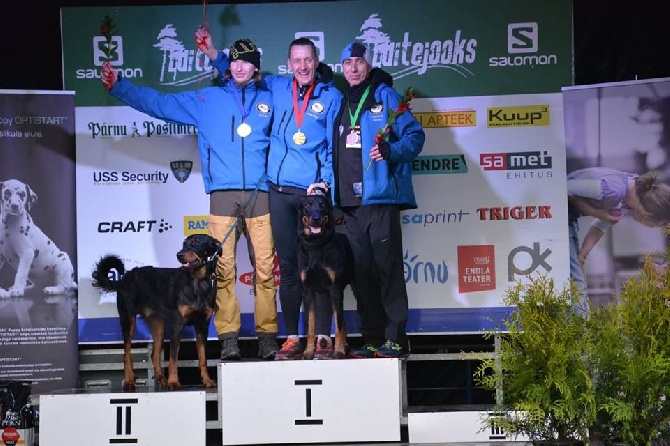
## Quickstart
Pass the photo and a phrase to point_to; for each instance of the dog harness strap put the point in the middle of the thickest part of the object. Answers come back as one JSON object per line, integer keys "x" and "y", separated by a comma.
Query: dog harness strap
{"x": 251, "y": 199}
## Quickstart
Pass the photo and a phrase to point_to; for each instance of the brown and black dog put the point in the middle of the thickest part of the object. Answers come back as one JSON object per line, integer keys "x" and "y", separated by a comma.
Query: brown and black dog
{"x": 176, "y": 296}
{"x": 324, "y": 267}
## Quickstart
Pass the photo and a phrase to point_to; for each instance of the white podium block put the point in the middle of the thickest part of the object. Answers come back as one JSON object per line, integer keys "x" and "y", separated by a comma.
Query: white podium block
{"x": 296, "y": 402}
{"x": 455, "y": 427}
{"x": 103, "y": 419}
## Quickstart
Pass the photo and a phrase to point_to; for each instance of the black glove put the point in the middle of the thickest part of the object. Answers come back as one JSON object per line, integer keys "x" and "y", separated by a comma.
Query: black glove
{"x": 384, "y": 150}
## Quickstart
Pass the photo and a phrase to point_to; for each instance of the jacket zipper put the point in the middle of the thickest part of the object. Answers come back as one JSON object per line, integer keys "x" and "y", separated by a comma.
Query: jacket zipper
{"x": 244, "y": 178}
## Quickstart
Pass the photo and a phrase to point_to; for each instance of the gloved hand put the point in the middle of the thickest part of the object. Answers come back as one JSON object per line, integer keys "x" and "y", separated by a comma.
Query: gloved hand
{"x": 317, "y": 189}
{"x": 382, "y": 151}
{"x": 108, "y": 75}
{"x": 385, "y": 150}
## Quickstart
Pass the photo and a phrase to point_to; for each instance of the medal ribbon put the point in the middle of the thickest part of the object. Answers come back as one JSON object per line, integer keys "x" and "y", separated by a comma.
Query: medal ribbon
{"x": 240, "y": 105}
{"x": 354, "y": 117}
{"x": 300, "y": 112}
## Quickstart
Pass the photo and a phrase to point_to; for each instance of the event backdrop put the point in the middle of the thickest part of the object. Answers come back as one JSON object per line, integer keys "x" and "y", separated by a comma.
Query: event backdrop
{"x": 38, "y": 298}
{"x": 490, "y": 181}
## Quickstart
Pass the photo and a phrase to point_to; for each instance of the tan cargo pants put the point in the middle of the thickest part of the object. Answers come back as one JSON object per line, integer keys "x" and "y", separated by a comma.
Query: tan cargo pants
{"x": 261, "y": 254}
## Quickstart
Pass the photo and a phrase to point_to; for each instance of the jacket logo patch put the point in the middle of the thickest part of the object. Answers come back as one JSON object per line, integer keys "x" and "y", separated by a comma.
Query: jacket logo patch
{"x": 377, "y": 108}
{"x": 317, "y": 107}
{"x": 263, "y": 108}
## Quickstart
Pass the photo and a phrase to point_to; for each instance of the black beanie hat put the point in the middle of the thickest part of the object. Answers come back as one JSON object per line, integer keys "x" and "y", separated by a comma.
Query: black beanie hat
{"x": 244, "y": 49}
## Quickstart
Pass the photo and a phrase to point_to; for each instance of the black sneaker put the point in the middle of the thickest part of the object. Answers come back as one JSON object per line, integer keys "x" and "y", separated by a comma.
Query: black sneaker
{"x": 267, "y": 346}
{"x": 391, "y": 349}
{"x": 230, "y": 351}
{"x": 367, "y": 351}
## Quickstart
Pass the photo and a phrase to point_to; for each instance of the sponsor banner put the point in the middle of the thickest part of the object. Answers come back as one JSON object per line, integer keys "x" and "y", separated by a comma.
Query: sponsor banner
{"x": 38, "y": 261}
{"x": 512, "y": 48}
{"x": 492, "y": 209}
{"x": 492, "y": 206}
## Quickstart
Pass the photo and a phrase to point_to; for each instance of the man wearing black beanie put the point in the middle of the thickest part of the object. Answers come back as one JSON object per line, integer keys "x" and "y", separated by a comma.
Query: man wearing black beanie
{"x": 234, "y": 122}
{"x": 245, "y": 49}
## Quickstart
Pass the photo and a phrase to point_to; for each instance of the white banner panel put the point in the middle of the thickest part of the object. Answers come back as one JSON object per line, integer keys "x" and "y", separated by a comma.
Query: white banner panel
{"x": 490, "y": 186}
{"x": 492, "y": 199}
{"x": 139, "y": 193}
{"x": 310, "y": 401}
{"x": 101, "y": 419}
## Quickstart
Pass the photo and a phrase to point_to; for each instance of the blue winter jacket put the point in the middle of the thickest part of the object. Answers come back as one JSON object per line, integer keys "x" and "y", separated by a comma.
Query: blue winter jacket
{"x": 290, "y": 164}
{"x": 229, "y": 162}
{"x": 389, "y": 181}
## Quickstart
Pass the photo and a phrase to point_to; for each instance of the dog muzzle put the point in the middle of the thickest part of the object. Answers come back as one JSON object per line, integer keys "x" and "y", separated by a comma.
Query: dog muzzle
{"x": 192, "y": 265}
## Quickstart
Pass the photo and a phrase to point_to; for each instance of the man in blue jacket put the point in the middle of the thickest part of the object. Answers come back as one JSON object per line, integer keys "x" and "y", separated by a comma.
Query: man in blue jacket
{"x": 373, "y": 183}
{"x": 233, "y": 123}
{"x": 305, "y": 110}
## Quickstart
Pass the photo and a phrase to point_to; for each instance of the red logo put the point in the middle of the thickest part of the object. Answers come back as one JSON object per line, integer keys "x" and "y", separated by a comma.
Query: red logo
{"x": 10, "y": 436}
{"x": 248, "y": 278}
{"x": 514, "y": 213}
{"x": 476, "y": 268}
{"x": 516, "y": 160}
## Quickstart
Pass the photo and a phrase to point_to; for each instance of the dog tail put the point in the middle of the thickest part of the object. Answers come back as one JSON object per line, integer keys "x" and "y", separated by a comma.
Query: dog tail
{"x": 101, "y": 274}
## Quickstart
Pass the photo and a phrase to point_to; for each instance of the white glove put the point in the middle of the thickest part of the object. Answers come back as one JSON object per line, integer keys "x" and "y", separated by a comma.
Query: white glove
{"x": 317, "y": 189}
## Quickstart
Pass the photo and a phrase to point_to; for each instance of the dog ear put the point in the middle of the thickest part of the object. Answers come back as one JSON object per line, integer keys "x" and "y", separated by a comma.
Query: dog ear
{"x": 32, "y": 198}
{"x": 213, "y": 246}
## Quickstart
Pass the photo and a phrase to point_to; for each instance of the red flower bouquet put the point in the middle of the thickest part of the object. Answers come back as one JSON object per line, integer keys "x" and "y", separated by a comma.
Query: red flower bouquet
{"x": 107, "y": 29}
{"x": 382, "y": 134}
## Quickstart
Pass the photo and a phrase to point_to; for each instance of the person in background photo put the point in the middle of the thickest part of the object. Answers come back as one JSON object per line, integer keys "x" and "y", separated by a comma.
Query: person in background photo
{"x": 305, "y": 109}
{"x": 373, "y": 183}
{"x": 233, "y": 123}
{"x": 605, "y": 194}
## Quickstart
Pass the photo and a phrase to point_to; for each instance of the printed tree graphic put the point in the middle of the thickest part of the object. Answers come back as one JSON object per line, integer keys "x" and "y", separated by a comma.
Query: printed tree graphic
{"x": 373, "y": 36}
{"x": 169, "y": 45}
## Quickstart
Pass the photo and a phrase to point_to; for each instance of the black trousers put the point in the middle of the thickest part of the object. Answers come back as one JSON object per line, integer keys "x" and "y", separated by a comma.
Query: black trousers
{"x": 375, "y": 235}
{"x": 285, "y": 223}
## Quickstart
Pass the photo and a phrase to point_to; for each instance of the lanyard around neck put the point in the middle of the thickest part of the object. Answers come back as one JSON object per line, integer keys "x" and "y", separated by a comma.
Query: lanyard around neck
{"x": 300, "y": 111}
{"x": 354, "y": 117}
{"x": 240, "y": 103}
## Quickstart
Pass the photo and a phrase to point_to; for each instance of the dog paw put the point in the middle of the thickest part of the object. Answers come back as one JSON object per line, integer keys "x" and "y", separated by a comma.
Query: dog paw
{"x": 53, "y": 290}
{"x": 3, "y": 293}
{"x": 337, "y": 354}
{"x": 173, "y": 385}
{"x": 208, "y": 382}
{"x": 17, "y": 291}
{"x": 161, "y": 379}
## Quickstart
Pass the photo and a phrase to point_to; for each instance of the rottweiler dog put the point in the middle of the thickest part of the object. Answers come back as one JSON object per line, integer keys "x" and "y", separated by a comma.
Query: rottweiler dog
{"x": 176, "y": 296}
{"x": 324, "y": 267}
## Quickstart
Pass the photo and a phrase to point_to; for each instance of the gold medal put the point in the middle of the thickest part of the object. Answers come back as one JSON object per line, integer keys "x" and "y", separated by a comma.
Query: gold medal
{"x": 299, "y": 138}
{"x": 244, "y": 130}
